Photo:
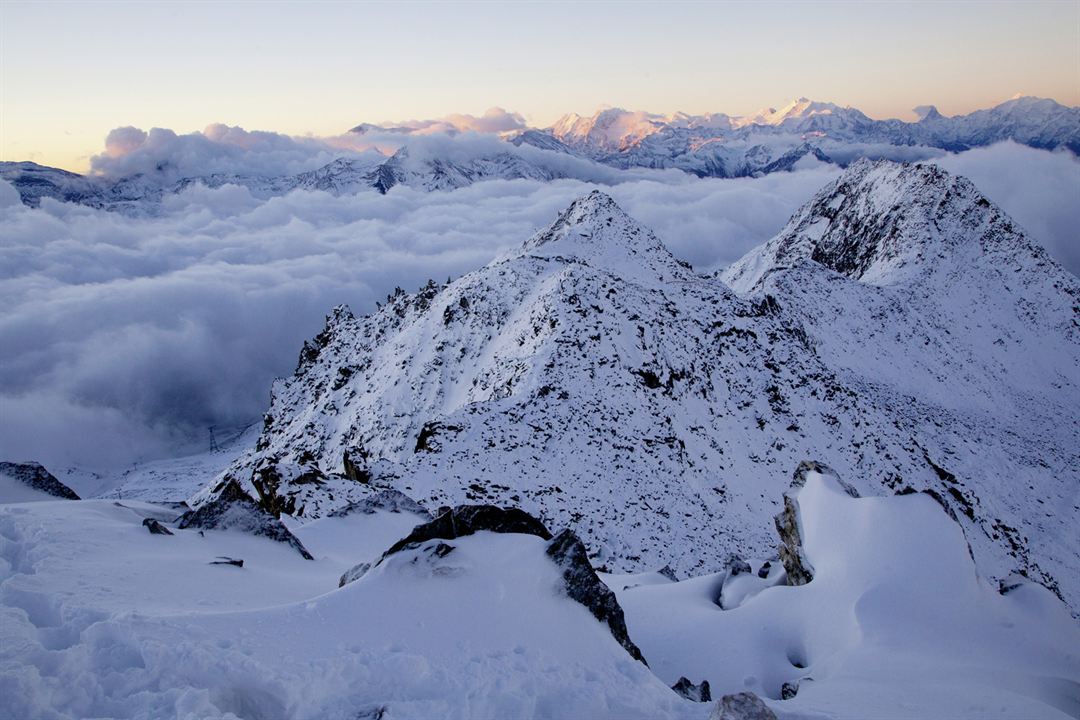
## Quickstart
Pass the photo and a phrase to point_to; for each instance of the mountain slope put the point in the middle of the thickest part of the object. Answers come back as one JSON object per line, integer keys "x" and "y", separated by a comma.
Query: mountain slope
{"x": 592, "y": 379}
{"x": 913, "y": 285}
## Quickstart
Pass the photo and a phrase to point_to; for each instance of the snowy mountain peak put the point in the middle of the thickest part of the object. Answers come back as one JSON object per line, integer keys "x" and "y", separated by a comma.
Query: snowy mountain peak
{"x": 884, "y": 223}
{"x": 596, "y": 231}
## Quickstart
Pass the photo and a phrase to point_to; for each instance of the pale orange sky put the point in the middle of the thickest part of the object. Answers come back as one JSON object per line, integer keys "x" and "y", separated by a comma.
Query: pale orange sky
{"x": 72, "y": 71}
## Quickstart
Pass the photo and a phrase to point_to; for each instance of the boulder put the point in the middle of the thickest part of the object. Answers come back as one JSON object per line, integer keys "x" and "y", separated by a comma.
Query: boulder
{"x": 155, "y": 527}
{"x": 34, "y": 475}
{"x": 468, "y": 519}
{"x": 354, "y": 573}
{"x": 583, "y": 585}
{"x": 789, "y": 690}
{"x": 690, "y": 691}
{"x": 735, "y": 565}
{"x": 233, "y": 509}
{"x": 741, "y": 706}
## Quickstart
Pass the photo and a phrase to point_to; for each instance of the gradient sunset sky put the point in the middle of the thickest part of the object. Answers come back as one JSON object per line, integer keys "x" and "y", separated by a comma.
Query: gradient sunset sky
{"x": 72, "y": 71}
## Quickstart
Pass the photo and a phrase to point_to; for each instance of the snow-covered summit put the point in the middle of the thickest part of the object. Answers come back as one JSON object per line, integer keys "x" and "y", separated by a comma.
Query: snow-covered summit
{"x": 596, "y": 231}
{"x": 882, "y": 222}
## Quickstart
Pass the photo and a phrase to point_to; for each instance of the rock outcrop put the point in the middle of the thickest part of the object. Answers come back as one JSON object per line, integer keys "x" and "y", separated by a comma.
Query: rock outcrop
{"x": 741, "y": 706}
{"x": 35, "y": 476}
{"x": 468, "y": 519}
{"x": 690, "y": 691}
{"x": 233, "y": 509}
{"x": 583, "y": 585}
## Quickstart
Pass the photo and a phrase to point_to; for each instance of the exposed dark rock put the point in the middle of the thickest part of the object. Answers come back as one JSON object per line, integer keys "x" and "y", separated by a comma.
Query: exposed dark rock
{"x": 735, "y": 565}
{"x": 789, "y": 690}
{"x": 233, "y": 509}
{"x": 155, "y": 527}
{"x": 35, "y": 476}
{"x": 741, "y": 706}
{"x": 798, "y": 480}
{"x": 355, "y": 464}
{"x": 270, "y": 476}
{"x": 223, "y": 560}
{"x": 354, "y": 573}
{"x": 690, "y": 691}
{"x": 667, "y": 572}
{"x": 763, "y": 572}
{"x": 584, "y": 586}
{"x": 799, "y": 570}
{"x": 468, "y": 519}
{"x": 426, "y": 441}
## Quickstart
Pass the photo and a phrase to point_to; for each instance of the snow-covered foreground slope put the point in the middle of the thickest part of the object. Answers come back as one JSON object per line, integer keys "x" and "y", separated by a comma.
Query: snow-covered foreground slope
{"x": 102, "y": 619}
{"x": 99, "y": 618}
{"x": 594, "y": 380}
{"x": 896, "y": 623}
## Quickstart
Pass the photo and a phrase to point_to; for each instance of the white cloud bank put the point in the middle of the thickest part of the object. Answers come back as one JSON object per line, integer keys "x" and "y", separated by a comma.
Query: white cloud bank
{"x": 124, "y": 338}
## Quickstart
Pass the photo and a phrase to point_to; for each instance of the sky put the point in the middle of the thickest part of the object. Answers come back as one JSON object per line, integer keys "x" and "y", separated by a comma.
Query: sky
{"x": 72, "y": 71}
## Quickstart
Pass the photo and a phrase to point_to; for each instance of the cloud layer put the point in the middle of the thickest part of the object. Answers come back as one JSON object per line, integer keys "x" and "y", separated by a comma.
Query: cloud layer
{"x": 124, "y": 338}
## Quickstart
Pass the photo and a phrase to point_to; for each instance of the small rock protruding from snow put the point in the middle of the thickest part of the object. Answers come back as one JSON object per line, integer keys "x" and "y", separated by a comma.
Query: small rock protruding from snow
{"x": 741, "y": 706}
{"x": 354, "y": 573}
{"x": 789, "y": 690}
{"x": 690, "y": 691}
{"x": 35, "y": 476}
{"x": 584, "y": 586}
{"x": 155, "y": 527}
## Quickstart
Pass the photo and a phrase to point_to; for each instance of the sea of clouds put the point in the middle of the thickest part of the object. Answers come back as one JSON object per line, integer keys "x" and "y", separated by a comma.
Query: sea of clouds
{"x": 124, "y": 338}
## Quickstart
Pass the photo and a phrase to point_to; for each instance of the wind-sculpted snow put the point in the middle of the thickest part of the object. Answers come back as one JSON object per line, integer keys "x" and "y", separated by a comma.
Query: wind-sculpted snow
{"x": 595, "y": 381}
{"x": 896, "y": 617}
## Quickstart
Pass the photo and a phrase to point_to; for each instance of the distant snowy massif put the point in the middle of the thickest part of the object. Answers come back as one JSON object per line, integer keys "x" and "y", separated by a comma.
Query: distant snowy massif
{"x": 608, "y": 147}
{"x": 837, "y": 479}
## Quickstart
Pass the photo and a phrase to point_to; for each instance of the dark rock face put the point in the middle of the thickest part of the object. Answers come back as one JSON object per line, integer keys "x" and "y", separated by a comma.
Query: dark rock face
{"x": 789, "y": 690}
{"x": 799, "y": 570}
{"x": 35, "y": 476}
{"x": 741, "y": 706}
{"x": 583, "y": 585}
{"x": 155, "y": 527}
{"x": 667, "y": 572}
{"x": 468, "y": 519}
{"x": 233, "y": 509}
{"x": 355, "y": 463}
{"x": 763, "y": 572}
{"x": 690, "y": 691}
{"x": 389, "y": 500}
{"x": 354, "y": 573}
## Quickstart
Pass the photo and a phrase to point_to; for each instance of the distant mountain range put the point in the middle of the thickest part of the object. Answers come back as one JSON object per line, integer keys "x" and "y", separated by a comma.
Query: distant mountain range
{"x": 611, "y": 146}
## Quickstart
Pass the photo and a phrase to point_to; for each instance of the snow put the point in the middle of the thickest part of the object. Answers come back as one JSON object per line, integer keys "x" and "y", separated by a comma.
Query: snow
{"x": 895, "y": 617}
{"x": 102, "y": 619}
